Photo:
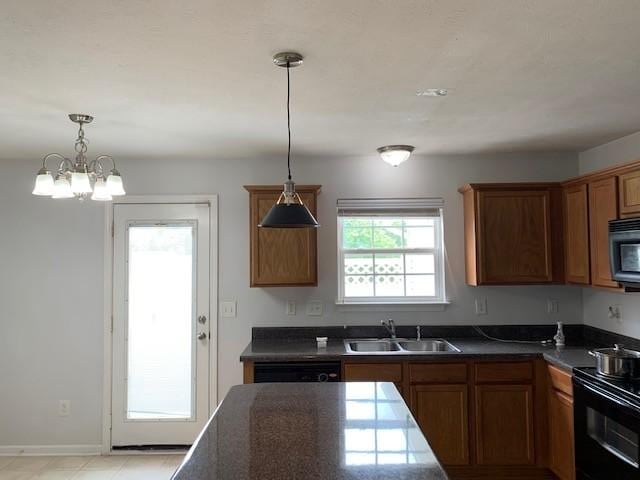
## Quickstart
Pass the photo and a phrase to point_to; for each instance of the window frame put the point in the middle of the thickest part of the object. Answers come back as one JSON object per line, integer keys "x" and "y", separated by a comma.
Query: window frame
{"x": 439, "y": 268}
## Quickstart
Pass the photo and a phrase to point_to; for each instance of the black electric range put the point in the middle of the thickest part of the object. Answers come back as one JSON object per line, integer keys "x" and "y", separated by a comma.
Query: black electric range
{"x": 607, "y": 426}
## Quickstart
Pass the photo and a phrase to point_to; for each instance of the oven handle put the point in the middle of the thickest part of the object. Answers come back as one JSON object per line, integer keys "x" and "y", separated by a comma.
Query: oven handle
{"x": 606, "y": 395}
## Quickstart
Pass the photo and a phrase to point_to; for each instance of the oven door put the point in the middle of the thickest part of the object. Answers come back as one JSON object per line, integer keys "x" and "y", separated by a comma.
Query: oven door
{"x": 607, "y": 433}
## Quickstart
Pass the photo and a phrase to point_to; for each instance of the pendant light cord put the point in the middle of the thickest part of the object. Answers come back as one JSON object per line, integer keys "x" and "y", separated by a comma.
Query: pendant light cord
{"x": 288, "y": 122}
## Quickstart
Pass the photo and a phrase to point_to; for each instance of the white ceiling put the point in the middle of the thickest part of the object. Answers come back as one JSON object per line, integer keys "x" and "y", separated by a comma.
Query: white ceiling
{"x": 194, "y": 78}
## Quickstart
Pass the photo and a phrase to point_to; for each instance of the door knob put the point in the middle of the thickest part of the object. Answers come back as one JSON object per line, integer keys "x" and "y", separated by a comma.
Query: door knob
{"x": 202, "y": 336}
{"x": 202, "y": 319}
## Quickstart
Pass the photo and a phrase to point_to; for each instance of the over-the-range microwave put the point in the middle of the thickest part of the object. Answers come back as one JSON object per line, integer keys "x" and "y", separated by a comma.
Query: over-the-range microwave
{"x": 624, "y": 251}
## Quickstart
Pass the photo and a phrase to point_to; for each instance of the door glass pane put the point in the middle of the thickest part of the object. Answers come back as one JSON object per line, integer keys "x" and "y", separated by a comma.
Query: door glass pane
{"x": 161, "y": 298}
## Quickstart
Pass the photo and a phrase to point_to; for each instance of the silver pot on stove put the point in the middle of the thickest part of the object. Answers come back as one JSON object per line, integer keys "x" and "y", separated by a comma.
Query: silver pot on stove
{"x": 617, "y": 362}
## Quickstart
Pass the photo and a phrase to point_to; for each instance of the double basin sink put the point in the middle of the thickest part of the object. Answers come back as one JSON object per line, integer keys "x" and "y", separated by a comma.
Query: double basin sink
{"x": 390, "y": 346}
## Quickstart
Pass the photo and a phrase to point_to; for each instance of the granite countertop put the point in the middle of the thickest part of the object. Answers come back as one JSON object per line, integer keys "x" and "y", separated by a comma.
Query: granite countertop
{"x": 314, "y": 431}
{"x": 304, "y": 349}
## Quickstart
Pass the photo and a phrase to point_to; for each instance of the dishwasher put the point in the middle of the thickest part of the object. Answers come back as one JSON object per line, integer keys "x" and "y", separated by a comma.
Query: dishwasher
{"x": 297, "y": 372}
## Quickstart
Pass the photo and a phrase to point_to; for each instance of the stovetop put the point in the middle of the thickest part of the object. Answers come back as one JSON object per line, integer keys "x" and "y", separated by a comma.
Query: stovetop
{"x": 629, "y": 389}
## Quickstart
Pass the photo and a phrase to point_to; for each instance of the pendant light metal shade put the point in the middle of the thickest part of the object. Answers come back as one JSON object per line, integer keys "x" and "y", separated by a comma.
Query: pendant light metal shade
{"x": 289, "y": 211}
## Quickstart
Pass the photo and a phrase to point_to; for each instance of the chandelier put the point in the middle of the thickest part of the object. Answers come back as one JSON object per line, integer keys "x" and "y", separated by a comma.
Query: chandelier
{"x": 79, "y": 178}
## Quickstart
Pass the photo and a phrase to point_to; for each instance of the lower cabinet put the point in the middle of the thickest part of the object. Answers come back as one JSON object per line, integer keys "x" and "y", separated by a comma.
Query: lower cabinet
{"x": 443, "y": 415}
{"x": 504, "y": 425}
{"x": 560, "y": 405}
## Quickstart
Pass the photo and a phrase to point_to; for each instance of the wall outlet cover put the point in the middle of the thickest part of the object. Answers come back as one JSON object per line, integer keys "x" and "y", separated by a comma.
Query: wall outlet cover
{"x": 64, "y": 408}
{"x": 228, "y": 309}
{"x": 481, "y": 306}
{"x": 314, "y": 309}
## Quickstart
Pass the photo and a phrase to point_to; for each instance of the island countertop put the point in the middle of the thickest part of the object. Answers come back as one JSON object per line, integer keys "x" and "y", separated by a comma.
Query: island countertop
{"x": 356, "y": 431}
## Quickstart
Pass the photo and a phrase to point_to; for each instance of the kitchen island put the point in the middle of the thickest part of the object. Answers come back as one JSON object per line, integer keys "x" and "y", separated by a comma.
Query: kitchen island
{"x": 311, "y": 431}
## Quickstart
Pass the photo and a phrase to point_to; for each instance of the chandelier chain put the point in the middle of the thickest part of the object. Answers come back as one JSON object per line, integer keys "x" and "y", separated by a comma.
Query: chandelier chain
{"x": 289, "y": 121}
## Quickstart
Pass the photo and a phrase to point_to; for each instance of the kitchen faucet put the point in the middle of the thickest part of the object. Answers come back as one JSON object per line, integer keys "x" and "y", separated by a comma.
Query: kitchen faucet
{"x": 390, "y": 326}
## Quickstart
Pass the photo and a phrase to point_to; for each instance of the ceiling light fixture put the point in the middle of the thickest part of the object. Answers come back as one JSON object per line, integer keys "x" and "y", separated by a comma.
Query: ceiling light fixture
{"x": 289, "y": 211}
{"x": 433, "y": 92}
{"x": 74, "y": 178}
{"x": 395, "y": 154}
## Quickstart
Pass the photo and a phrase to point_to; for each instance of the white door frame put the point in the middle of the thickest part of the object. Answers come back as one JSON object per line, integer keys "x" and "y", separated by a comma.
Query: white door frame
{"x": 212, "y": 201}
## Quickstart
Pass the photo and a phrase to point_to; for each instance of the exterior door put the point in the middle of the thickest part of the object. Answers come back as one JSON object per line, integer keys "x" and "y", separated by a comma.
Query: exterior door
{"x": 161, "y": 327}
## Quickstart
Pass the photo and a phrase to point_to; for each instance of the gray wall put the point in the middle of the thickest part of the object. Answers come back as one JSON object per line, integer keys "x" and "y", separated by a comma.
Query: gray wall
{"x": 597, "y": 302}
{"x": 51, "y": 288}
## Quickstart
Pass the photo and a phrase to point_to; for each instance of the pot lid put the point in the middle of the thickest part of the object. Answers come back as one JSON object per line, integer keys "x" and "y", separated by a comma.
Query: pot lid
{"x": 618, "y": 351}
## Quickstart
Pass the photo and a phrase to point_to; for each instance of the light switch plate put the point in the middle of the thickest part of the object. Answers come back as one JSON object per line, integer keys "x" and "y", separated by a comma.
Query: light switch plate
{"x": 291, "y": 307}
{"x": 552, "y": 306}
{"x": 314, "y": 309}
{"x": 64, "y": 408}
{"x": 228, "y": 309}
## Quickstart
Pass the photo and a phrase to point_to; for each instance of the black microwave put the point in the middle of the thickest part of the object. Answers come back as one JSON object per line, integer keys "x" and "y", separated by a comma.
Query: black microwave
{"x": 624, "y": 251}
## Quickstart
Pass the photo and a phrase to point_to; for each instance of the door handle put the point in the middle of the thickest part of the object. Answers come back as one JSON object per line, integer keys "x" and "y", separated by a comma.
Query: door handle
{"x": 202, "y": 336}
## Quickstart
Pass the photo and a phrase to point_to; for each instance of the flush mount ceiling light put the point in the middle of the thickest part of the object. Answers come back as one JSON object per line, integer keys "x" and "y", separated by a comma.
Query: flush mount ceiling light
{"x": 395, "y": 154}
{"x": 289, "y": 211}
{"x": 75, "y": 178}
{"x": 433, "y": 92}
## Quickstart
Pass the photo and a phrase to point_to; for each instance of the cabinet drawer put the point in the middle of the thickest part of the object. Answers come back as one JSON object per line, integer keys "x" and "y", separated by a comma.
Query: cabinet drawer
{"x": 497, "y": 372}
{"x": 373, "y": 372}
{"x": 438, "y": 373}
{"x": 560, "y": 380}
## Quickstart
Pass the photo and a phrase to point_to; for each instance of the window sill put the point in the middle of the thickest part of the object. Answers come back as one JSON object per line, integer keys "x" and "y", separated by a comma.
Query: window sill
{"x": 392, "y": 306}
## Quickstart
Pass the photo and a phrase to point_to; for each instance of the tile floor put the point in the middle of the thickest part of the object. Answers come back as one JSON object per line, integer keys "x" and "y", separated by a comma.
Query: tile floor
{"x": 115, "y": 467}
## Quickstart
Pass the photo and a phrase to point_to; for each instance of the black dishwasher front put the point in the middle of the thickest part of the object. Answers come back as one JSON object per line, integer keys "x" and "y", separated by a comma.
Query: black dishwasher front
{"x": 296, "y": 372}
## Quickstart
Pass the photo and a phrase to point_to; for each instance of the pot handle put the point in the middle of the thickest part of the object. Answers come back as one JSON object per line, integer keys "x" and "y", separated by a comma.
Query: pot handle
{"x": 592, "y": 353}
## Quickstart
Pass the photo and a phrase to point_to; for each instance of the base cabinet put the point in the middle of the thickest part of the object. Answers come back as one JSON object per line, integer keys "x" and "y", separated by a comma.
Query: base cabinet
{"x": 560, "y": 406}
{"x": 443, "y": 415}
{"x": 504, "y": 425}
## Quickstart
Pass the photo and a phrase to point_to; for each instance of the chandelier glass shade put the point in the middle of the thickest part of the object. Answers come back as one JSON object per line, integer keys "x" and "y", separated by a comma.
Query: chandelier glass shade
{"x": 79, "y": 178}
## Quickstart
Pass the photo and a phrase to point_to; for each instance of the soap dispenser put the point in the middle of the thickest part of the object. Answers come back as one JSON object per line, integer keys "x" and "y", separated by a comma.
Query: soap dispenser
{"x": 559, "y": 336}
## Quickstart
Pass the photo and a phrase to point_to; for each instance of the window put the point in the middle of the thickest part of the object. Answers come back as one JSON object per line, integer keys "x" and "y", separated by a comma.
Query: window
{"x": 390, "y": 251}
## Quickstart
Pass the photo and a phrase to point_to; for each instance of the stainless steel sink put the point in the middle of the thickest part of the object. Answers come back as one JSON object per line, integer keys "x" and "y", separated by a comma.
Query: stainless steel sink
{"x": 372, "y": 346}
{"x": 388, "y": 346}
{"x": 427, "y": 346}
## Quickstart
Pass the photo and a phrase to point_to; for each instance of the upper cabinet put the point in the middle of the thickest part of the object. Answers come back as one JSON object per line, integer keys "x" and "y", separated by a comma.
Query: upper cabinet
{"x": 576, "y": 234}
{"x": 513, "y": 233}
{"x": 281, "y": 256}
{"x": 603, "y": 206}
{"x": 629, "y": 193}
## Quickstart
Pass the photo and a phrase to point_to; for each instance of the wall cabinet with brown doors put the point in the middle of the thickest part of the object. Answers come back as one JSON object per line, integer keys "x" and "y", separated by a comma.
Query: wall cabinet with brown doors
{"x": 576, "y": 234}
{"x": 281, "y": 256}
{"x": 513, "y": 233}
{"x": 603, "y": 206}
{"x": 629, "y": 193}
{"x": 560, "y": 406}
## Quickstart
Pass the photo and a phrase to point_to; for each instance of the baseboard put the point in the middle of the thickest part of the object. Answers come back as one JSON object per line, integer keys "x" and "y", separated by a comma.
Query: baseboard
{"x": 34, "y": 450}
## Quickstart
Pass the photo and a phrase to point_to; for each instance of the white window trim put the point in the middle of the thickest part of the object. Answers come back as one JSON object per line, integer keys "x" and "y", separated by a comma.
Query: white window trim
{"x": 435, "y": 303}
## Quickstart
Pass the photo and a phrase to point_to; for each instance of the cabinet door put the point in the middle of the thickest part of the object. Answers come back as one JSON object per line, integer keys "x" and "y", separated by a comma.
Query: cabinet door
{"x": 442, "y": 413}
{"x": 603, "y": 206}
{"x": 281, "y": 256}
{"x": 576, "y": 234}
{"x": 561, "y": 451}
{"x": 514, "y": 231}
{"x": 504, "y": 424}
{"x": 629, "y": 187}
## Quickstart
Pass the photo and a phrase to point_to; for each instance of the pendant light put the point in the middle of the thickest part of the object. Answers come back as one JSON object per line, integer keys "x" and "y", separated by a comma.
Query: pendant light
{"x": 289, "y": 211}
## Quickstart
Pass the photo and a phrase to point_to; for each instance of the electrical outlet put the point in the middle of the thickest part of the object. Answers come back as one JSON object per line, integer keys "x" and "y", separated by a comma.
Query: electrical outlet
{"x": 291, "y": 307}
{"x": 64, "y": 408}
{"x": 614, "y": 313}
{"x": 481, "y": 306}
{"x": 228, "y": 309}
{"x": 314, "y": 309}
{"x": 552, "y": 306}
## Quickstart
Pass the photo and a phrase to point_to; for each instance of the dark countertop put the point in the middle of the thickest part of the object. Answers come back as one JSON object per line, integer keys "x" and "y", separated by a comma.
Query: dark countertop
{"x": 295, "y": 350}
{"x": 315, "y": 431}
